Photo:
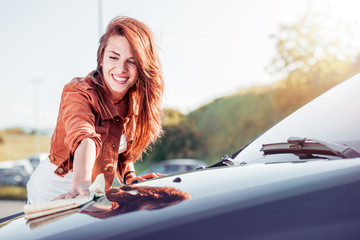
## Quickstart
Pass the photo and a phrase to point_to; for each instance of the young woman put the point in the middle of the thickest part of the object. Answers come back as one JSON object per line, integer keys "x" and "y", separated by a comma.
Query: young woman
{"x": 106, "y": 119}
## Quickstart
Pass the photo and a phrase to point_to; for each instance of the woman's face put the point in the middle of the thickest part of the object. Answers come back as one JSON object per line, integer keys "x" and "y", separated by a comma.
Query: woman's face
{"x": 119, "y": 68}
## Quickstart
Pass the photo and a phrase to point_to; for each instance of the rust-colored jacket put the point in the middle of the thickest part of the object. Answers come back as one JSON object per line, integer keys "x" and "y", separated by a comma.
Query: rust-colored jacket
{"x": 82, "y": 115}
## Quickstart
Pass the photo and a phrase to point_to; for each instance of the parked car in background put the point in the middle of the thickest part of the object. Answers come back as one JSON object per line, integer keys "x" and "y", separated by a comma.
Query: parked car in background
{"x": 175, "y": 166}
{"x": 299, "y": 180}
{"x": 24, "y": 164}
{"x": 17, "y": 172}
{"x": 15, "y": 176}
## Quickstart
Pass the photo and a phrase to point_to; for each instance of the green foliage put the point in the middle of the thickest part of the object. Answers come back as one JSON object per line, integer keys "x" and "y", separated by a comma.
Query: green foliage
{"x": 218, "y": 128}
{"x": 179, "y": 141}
{"x": 229, "y": 123}
{"x": 314, "y": 45}
{"x": 171, "y": 117}
{"x": 315, "y": 54}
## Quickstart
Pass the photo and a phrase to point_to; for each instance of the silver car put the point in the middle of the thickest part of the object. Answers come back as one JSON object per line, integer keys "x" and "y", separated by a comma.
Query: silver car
{"x": 175, "y": 166}
{"x": 299, "y": 180}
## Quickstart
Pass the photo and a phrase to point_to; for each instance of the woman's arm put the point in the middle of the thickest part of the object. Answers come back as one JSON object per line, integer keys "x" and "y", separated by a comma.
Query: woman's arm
{"x": 84, "y": 159}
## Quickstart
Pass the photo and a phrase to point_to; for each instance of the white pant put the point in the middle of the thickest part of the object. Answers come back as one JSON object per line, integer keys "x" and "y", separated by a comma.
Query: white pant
{"x": 44, "y": 185}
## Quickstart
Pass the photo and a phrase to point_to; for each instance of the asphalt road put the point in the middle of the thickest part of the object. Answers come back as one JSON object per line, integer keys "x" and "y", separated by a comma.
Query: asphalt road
{"x": 9, "y": 207}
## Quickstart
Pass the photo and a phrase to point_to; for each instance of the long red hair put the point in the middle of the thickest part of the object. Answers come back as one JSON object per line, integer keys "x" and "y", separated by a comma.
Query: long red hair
{"x": 143, "y": 125}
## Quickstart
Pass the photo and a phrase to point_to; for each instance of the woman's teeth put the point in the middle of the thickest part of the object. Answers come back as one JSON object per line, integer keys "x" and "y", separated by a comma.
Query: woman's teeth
{"x": 119, "y": 78}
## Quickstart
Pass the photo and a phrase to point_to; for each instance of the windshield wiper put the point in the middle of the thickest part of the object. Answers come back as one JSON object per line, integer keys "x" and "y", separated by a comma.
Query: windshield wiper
{"x": 307, "y": 146}
{"x": 226, "y": 161}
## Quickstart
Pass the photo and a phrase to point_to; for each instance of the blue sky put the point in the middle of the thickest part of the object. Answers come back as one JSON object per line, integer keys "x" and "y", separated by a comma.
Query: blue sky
{"x": 208, "y": 48}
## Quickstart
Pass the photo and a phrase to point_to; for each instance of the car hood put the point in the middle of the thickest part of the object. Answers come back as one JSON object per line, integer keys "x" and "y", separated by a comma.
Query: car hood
{"x": 212, "y": 191}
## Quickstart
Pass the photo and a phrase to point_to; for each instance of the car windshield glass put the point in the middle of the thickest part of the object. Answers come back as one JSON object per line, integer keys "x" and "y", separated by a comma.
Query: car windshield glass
{"x": 333, "y": 117}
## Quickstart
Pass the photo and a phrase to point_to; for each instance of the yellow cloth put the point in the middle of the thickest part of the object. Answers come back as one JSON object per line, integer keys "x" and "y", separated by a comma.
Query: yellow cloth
{"x": 97, "y": 189}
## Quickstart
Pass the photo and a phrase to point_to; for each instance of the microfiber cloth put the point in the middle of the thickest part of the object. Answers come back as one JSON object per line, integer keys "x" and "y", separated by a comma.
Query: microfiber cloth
{"x": 96, "y": 190}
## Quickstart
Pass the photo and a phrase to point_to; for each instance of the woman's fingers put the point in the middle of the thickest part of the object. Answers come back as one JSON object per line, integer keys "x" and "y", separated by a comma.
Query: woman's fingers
{"x": 83, "y": 192}
{"x": 62, "y": 196}
{"x": 160, "y": 175}
{"x": 138, "y": 179}
{"x": 144, "y": 177}
{"x": 153, "y": 175}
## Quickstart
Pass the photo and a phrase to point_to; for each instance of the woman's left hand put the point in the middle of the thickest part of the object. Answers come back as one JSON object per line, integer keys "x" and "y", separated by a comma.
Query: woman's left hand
{"x": 144, "y": 177}
{"x": 78, "y": 190}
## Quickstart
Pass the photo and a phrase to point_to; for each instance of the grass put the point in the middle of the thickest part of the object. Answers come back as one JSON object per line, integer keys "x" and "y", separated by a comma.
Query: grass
{"x": 13, "y": 192}
{"x": 18, "y": 145}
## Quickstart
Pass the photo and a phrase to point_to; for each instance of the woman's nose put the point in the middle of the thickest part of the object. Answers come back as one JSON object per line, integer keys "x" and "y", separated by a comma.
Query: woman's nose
{"x": 122, "y": 66}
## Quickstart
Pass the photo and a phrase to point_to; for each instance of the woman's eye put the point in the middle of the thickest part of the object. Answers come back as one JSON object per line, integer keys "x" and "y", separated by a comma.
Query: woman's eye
{"x": 111, "y": 57}
{"x": 131, "y": 62}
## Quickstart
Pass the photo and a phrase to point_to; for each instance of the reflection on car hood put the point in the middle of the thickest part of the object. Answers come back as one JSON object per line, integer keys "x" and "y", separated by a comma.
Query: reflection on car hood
{"x": 212, "y": 191}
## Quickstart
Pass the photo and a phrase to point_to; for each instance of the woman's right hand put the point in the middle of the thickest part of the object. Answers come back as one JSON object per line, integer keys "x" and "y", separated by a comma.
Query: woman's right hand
{"x": 144, "y": 177}
{"x": 77, "y": 190}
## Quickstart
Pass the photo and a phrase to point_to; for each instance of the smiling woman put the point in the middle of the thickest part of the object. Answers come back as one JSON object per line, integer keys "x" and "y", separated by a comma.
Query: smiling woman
{"x": 106, "y": 119}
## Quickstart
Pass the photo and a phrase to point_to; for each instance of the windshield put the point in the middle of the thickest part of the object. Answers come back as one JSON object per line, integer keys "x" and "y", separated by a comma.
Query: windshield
{"x": 332, "y": 117}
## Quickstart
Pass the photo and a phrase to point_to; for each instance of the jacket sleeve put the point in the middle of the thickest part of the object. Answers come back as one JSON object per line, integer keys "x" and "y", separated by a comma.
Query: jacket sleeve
{"x": 78, "y": 117}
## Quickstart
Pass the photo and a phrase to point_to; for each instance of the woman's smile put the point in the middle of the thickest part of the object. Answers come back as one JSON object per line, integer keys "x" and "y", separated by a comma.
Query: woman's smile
{"x": 119, "y": 79}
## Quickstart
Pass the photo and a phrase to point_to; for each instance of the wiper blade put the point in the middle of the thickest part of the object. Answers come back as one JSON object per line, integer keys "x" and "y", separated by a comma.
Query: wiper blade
{"x": 228, "y": 161}
{"x": 297, "y": 145}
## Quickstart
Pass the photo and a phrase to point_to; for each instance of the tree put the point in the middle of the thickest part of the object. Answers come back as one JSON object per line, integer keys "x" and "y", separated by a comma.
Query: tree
{"x": 171, "y": 117}
{"x": 180, "y": 140}
{"x": 313, "y": 54}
